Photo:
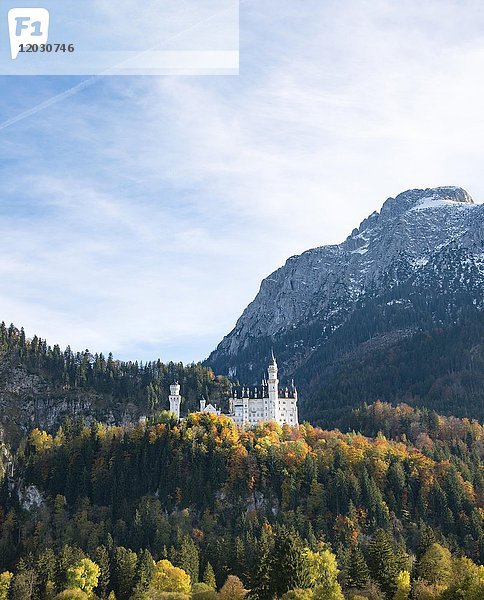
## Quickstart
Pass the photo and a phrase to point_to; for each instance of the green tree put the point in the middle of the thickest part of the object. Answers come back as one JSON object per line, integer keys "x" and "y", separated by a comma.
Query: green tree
{"x": 209, "y": 576}
{"x": 46, "y": 572}
{"x": 72, "y": 594}
{"x": 382, "y": 562}
{"x": 298, "y": 594}
{"x": 67, "y": 557}
{"x": 328, "y": 593}
{"x": 467, "y": 581}
{"x": 261, "y": 578}
{"x": 289, "y": 564}
{"x": 124, "y": 570}
{"x": 144, "y": 572}
{"x": 101, "y": 558}
{"x": 188, "y": 559}
{"x": 202, "y": 591}
{"x": 358, "y": 573}
{"x": 435, "y": 565}
{"x": 323, "y": 573}
{"x": 23, "y": 584}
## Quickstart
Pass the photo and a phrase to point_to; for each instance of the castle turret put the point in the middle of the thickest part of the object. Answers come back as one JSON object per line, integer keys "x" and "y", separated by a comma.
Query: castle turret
{"x": 273, "y": 389}
{"x": 175, "y": 399}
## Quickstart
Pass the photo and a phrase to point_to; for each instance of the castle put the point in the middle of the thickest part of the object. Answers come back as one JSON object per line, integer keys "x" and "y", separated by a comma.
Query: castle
{"x": 251, "y": 405}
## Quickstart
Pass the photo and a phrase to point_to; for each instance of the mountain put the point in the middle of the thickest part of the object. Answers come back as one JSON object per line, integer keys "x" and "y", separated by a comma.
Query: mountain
{"x": 394, "y": 312}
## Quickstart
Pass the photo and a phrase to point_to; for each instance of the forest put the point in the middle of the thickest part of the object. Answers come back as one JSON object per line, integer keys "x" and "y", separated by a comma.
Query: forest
{"x": 108, "y": 384}
{"x": 202, "y": 509}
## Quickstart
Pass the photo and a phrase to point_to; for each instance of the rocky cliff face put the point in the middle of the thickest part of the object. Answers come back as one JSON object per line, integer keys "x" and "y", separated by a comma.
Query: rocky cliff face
{"x": 423, "y": 246}
{"x": 28, "y": 400}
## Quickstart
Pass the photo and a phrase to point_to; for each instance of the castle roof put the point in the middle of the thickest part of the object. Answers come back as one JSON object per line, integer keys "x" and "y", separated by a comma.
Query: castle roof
{"x": 261, "y": 391}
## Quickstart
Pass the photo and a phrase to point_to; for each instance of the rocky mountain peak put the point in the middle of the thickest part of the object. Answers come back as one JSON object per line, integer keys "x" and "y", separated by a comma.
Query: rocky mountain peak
{"x": 418, "y": 240}
{"x": 428, "y": 198}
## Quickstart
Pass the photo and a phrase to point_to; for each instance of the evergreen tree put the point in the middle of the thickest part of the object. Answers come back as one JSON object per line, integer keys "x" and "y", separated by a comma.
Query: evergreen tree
{"x": 144, "y": 572}
{"x": 23, "y": 584}
{"x": 209, "y": 576}
{"x": 289, "y": 565}
{"x": 101, "y": 558}
{"x": 261, "y": 580}
{"x": 46, "y": 571}
{"x": 426, "y": 539}
{"x": 124, "y": 571}
{"x": 382, "y": 562}
{"x": 188, "y": 558}
{"x": 358, "y": 573}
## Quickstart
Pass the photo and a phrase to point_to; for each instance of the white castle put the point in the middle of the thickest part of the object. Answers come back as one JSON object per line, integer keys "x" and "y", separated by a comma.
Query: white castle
{"x": 252, "y": 405}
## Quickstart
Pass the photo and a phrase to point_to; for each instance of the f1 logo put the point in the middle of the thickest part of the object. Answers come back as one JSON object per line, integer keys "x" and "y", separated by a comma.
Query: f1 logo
{"x": 27, "y": 26}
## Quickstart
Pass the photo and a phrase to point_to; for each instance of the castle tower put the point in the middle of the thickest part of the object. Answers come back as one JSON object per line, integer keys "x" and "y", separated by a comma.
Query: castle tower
{"x": 175, "y": 399}
{"x": 273, "y": 389}
{"x": 294, "y": 395}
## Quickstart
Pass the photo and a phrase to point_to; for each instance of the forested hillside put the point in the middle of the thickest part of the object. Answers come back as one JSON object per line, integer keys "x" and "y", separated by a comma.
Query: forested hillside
{"x": 276, "y": 508}
{"x": 41, "y": 385}
{"x": 438, "y": 367}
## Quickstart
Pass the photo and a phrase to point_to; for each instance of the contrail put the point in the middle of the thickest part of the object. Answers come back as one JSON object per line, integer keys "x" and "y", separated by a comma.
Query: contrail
{"x": 92, "y": 80}
{"x": 32, "y": 111}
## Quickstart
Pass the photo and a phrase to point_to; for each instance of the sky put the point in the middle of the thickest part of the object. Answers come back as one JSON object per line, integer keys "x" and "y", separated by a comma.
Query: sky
{"x": 139, "y": 215}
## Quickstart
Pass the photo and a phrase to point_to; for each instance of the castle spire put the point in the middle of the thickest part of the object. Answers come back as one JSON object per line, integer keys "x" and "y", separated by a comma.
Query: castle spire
{"x": 273, "y": 389}
{"x": 273, "y": 358}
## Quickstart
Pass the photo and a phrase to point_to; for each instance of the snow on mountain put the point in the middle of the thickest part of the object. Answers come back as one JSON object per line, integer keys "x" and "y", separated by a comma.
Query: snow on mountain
{"x": 429, "y": 239}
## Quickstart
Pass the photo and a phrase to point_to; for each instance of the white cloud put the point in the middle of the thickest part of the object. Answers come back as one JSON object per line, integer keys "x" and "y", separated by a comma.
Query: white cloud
{"x": 165, "y": 201}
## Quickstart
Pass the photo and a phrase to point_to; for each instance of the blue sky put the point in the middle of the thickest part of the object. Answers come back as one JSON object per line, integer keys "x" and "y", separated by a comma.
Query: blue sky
{"x": 139, "y": 215}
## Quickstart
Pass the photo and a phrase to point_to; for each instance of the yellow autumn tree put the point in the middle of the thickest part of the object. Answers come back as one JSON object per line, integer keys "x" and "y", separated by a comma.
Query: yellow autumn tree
{"x": 5, "y": 580}
{"x": 83, "y": 576}
{"x": 403, "y": 586}
{"x": 73, "y": 594}
{"x": 323, "y": 573}
{"x": 167, "y": 578}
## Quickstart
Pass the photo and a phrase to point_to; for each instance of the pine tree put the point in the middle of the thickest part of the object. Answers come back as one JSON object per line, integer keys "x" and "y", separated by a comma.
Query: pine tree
{"x": 124, "y": 563}
{"x": 46, "y": 569}
{"x": 101, "y": 558}
{"x": 358, "y": 573}
{"x": 426, "y": 539}
{"x": 289, "y": 566}
{"x": 144, "y": 571}
{"x": 209, "y": 576}
{"x": 382, "y": 562}
{"x": 188, "y": 558}
{"x": 261, "y": 583}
